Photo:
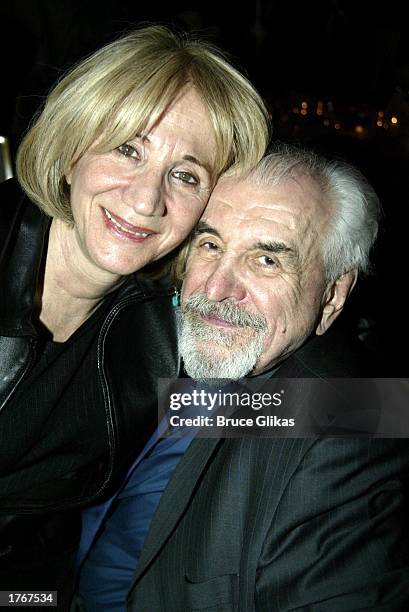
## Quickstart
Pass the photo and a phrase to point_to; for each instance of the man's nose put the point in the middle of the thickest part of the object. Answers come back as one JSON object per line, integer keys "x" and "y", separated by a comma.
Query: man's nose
{"x": 145, "y": 194}
{"x": 225, "y": 283}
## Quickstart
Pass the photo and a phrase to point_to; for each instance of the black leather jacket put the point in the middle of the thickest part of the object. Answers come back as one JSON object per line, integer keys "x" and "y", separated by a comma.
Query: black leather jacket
{"x": 136, "y": 345}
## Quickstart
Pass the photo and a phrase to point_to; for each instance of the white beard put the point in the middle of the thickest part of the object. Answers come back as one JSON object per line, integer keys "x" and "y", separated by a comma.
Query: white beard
{"x": 198, "y": 342}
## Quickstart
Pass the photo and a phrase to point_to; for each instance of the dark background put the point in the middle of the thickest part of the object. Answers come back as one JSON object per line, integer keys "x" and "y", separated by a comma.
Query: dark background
{"x": 334, "y": 74}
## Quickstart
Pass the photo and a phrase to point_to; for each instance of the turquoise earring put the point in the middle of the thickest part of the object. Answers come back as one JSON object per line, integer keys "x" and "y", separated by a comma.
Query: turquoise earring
{"x": 175, "y": 299}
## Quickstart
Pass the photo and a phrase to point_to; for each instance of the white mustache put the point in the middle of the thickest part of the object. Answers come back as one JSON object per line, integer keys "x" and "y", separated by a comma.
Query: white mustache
{"x": 227, "y": 311}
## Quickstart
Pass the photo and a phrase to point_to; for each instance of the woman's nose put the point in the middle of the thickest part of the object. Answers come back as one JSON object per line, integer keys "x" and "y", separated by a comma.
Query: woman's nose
{"x": 144, "y": 193}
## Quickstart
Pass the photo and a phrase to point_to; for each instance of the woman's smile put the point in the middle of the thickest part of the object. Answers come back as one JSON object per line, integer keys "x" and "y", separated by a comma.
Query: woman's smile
{"x": 124, "y": 230}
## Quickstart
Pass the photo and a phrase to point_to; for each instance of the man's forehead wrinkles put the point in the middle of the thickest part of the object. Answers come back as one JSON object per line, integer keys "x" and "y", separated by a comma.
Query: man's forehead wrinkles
{"x": 244, "y": 227}
{"x": 289, "y": 222}
{"x": 244, "y": 217}
{"x": 245, "y": 210}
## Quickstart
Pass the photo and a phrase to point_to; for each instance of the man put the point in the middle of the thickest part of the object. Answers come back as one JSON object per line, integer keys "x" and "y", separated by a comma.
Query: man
{"x": 254, "y": 523}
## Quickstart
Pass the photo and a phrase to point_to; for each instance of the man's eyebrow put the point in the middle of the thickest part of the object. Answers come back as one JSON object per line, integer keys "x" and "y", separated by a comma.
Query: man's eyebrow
{"x": 204, "y": 228}
{"x": 273, "y": 246}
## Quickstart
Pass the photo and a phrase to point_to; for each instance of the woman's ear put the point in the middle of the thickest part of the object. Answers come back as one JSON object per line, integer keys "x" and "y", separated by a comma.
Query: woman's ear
{"x": 334, "y": 300}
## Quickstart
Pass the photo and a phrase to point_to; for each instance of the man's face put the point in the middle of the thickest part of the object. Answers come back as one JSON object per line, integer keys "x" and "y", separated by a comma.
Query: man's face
{"x": 257, "y": 252}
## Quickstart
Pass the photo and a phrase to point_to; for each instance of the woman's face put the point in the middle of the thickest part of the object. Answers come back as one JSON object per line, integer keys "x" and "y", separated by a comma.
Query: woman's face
{"x": 136, "y": 203}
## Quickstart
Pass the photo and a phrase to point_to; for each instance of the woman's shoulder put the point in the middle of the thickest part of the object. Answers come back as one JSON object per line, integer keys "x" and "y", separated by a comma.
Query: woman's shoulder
{"x": 12, "y": 204}
{"x": 18, "y": 213}
{"x": 12, "y": 198}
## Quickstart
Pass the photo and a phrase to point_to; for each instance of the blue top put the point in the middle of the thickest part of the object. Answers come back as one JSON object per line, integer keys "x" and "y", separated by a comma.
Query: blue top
{"x": 113, "y": 533}
{"x": 110, "y": 565}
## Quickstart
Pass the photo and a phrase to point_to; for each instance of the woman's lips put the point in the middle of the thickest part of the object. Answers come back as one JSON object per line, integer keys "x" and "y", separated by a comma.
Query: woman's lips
{"x": 125, "y": 230}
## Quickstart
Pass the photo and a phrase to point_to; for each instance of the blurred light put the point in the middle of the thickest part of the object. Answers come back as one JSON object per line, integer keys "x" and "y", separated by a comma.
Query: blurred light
{"x": 296, "y": 110}
{"x": 379, "y": 123}
{"x": 326, "y": 122}
{"x": 359, "y": 129}
{"x": 394, "y": 120}
{"x": 330, "y": 106}
{"x": 304, "y": 104}
{"x": 337, "y": 126}
{"x": 386, "y": 125}
{"x": 6, "y": 170}
{"x": 304, "y": 111}
{"x": 320, "y": 106}
{"x": 380, "y": 113}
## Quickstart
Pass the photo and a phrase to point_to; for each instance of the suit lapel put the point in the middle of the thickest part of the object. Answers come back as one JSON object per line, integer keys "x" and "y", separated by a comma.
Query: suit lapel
{"x": 175, "y": 499}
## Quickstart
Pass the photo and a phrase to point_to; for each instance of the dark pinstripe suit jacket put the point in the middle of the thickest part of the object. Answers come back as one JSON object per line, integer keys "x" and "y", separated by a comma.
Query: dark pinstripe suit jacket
{"x": 282, "y": 524}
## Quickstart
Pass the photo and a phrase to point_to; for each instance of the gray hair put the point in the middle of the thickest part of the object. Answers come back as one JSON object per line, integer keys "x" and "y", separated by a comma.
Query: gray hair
{"x": 354, "y": 225}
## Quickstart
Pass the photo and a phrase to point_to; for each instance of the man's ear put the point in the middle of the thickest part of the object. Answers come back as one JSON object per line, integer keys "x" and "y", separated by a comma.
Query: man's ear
{"x": 334, "y": 300}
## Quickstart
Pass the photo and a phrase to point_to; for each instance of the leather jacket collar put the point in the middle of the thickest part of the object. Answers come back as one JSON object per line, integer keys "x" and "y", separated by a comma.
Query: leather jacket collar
{"x": 22, "y": 235}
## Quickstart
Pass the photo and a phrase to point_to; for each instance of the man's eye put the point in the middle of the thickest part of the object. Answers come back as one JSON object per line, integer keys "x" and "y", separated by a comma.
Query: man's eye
{"x": 185, "y": 177}
{"x": 267, "y": 261}
{"x": 128, "y": 151}
{"x": 209, "y": 246}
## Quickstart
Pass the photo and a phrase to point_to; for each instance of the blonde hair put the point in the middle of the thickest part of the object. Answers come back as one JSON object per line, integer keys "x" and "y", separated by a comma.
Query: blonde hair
{"x": 123, "y": 89}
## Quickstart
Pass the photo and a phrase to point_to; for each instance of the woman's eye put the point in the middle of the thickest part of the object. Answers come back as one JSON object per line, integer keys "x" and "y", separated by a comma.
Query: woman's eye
{"x": 185, "y": 177}
{"x": 128, "y": 151}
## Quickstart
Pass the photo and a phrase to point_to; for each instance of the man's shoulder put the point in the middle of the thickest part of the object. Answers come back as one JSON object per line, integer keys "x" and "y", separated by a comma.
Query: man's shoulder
{"x": 337, "y": 354}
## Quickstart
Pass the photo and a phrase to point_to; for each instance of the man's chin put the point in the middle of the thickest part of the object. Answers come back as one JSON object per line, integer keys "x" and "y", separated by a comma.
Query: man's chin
{"x": 212, "y": 351}
{"x": 219, "y": 356}
{"x": 215, "y": 369}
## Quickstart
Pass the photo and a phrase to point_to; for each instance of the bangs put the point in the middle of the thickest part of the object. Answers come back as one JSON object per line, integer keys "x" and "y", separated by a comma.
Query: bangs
{"x": 144, "y": 107}
{"x": 138, "y": 113}
{"x": 139, "y": 96}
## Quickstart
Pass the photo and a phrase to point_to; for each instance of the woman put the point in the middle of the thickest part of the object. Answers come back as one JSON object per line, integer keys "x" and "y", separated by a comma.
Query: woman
{"x": 123, "y": 159}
